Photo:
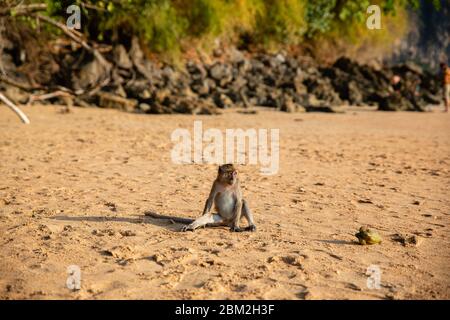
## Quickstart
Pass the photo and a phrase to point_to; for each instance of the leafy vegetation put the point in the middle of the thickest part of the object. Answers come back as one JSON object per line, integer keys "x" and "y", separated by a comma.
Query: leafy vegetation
{"x": 168, "y": 26}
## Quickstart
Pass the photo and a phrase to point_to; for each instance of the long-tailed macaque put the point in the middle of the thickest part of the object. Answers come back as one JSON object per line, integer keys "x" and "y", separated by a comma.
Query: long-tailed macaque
{"x": 226, "y": 195}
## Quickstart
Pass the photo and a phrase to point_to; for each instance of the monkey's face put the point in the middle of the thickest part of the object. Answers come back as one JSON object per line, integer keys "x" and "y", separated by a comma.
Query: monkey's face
{"x": 227, "y": 174}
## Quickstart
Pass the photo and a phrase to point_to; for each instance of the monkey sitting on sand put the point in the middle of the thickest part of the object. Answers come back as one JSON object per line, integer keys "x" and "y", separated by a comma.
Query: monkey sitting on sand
{"x": 230, "y": 206}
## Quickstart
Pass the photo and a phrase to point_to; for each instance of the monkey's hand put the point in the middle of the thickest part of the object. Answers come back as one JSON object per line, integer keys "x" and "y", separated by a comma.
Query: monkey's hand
{"x": 188, "y": 227}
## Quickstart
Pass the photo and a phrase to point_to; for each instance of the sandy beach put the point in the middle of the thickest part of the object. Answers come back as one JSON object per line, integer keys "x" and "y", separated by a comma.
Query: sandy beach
{"x": 74, "y": 189}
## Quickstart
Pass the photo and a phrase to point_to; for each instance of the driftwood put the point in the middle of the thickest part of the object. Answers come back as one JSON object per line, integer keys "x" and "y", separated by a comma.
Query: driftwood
{"x": 14, "y": 108}
{"x": 33, "y": 10}
{"x": 50, "y": 95}
{"x": 14, "y": 83}
{"x": 76, "y": 36}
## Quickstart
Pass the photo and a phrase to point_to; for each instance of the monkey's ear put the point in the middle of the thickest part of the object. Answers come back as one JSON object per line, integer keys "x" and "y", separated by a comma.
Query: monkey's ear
{"x": 234, "y": 173}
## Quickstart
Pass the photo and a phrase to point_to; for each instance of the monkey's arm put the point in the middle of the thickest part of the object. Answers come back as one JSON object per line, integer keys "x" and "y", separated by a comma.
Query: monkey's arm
{"x": 176, "y": 219}
{"x": 210, "y": 200}
{"x": 237, "y": 209}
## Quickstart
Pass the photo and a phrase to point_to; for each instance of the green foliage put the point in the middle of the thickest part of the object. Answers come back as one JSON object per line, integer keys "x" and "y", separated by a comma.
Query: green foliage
{"x": 280, "y": 21}
{"x": 319, "y": 16}
{"x": 155, "y": 21}
{"x": 165, "y": 25}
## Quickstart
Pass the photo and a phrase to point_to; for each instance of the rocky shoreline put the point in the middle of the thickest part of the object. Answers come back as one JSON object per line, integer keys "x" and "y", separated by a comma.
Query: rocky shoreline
{"x": 127, "y": 80}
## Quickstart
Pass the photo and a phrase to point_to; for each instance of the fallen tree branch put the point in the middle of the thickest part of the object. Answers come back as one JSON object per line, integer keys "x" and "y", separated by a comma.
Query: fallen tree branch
{"x": 78, "y": 39}
{"x": 47, "y": 96}
{"x": 23, "y": 86}
{"x": 14, "y": 108}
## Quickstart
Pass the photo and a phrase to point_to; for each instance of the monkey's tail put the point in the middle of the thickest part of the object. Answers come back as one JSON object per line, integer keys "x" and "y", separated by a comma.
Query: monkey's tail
{"x": 175, "y": 219}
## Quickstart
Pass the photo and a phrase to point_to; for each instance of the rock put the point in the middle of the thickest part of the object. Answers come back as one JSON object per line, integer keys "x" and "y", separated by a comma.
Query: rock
{"x": 143, "y": 65}
{"x": 431, "y": 98}
{"x": 127, "y": 233}
{"x": 221, "y": 73}
{"x": 121, "y": 57}
{"x": 321, "y": 108}
{"x": 201, "y": 87}
{"x": 222, "y": 101}
{"x": 290, "y": 106}
{"x": 138, "y": 89}
{"x": 196, "y": 70}
{"x": 144, "y": 107}
{"x": 7, "y": 64}
{"x": 281, "y": 58}
{"x": 236, "y": 56}
{"x": 117, "y": 90}
{"x": 408, "y": 66}
{"x": 89, "y": 75}
{"x": 355, "y": 96}
{"x": 293, "y": 260}
{"x": 193, "y": 106}
{"x": 101, "y": 233}
{"x": 158, "y": 108}
{"x": 395, "y": 102}
{"x": 108, "y": 100}
{"x": 217, "y": 52}
{"x": 407, "y": 240}
{"x": 162, "y": 96}
{"x": 218, "y": 71}
{"x": 17, "y": 95}
{"x": 322, "y": 89}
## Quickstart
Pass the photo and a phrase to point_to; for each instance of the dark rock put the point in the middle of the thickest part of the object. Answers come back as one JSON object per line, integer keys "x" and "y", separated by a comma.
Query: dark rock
{"x": 290, "y": 106}
{"x": 221, "y": 72}
{"x": 15, "y": 94}
{"x": 192, "y": 106}
{"x": 142, "y": 65}
{"x": 90, "y": 75}
{"x": 355, "y": 96}
{"x": 431, "y": 98}
{"x": 138, "y": 89}
{"x": 395, "y": 102}
{"x": 121, "y": 57}
{"x": 108, "y": 100}
{"x": 322, "y": 89}
{"x": 196, "y": 71}
{"x": 408, "y": 67}
{"x": 222, "y": 101}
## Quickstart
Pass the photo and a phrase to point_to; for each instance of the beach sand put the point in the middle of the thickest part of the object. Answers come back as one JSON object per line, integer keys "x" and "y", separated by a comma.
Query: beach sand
{"x": 74, "y": 189}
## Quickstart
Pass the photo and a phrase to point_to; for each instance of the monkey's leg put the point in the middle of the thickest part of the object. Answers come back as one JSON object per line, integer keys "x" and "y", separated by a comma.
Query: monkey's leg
{"x": 248, "y": 215}
{"x": 214, "y": 219}
{"x": 237, "y": 217}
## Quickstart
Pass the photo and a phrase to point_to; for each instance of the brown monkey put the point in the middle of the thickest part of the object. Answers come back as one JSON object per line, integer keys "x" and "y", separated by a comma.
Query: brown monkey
{"x": 227, "y": 197}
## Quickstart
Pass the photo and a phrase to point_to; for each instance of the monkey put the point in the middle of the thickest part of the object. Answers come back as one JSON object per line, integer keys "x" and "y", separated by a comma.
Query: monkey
{"x": 226, "y": 195}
